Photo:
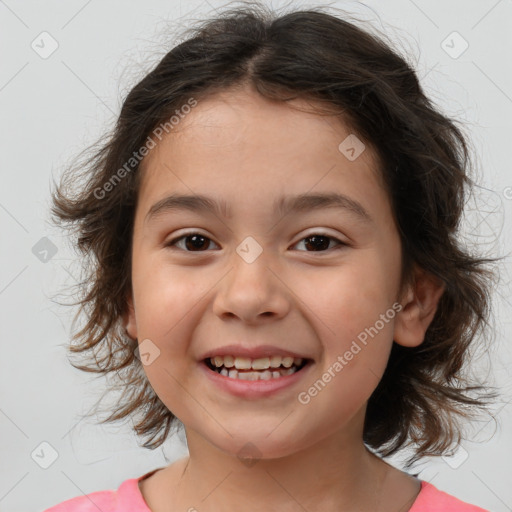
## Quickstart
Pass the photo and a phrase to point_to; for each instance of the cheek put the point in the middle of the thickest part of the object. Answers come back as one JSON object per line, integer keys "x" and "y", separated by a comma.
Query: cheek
{"x": 165, "y": 294}
{"x": 166, "y": 304}
{"x": 356, "y": 348}
{"x": 351, "y": 310}
{"x": 166, "y": 298}
{"x": 347, "y": 299}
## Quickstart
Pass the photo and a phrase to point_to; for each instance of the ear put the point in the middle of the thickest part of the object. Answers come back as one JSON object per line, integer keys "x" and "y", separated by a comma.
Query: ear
{"x": 419, "y": 303}
{"x": 129, "y": 318}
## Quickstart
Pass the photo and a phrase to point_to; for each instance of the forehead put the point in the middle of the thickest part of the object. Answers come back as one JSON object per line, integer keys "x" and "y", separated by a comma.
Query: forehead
{"x": 237, "y": 144}
{"x": 242, "y": 118}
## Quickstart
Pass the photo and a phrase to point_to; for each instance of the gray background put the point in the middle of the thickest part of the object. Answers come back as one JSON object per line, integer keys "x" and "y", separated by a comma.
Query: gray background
{"x": 54, "y": 105}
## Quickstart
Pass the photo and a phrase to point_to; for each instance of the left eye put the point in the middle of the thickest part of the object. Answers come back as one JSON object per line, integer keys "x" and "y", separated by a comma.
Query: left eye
{"x": 195, "y": 242}
{"x": 321, "y": 242}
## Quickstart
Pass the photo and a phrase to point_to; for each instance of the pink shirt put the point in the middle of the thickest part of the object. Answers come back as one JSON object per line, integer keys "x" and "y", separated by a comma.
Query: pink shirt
{"x": 128, "y": 498}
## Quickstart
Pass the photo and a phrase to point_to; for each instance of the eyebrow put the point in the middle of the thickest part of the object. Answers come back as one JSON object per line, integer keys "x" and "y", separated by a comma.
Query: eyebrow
{"x": 282, "y": 206}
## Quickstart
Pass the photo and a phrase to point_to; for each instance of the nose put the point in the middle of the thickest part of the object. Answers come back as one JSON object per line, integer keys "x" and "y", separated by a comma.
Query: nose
{"x": 253, "y": 292}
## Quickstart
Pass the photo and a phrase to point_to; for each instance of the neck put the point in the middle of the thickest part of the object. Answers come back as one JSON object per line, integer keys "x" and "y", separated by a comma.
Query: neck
{"x": 330, "y": 475}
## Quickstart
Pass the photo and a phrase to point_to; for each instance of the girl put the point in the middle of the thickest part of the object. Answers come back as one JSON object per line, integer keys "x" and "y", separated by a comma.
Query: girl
{"x": 274, "y": 264}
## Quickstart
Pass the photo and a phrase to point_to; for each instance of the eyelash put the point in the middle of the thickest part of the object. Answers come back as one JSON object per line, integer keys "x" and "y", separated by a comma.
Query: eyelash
{"x": 340, "y": 245}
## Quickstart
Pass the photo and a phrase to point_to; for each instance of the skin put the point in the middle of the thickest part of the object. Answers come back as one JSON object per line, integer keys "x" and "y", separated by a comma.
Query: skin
{"x": 248, "y": 151}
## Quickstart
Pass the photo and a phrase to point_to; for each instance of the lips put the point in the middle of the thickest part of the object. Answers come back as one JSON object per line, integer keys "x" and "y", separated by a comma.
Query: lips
{"x": 257, "y": 352}
{"x": 251, "y": 384}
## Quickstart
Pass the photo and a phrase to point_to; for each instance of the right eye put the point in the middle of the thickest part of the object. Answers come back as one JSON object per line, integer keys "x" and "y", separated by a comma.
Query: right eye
{"x": 194, "y": 242}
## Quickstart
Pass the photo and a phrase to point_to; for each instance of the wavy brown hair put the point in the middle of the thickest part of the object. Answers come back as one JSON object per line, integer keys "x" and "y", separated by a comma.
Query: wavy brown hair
{"x": 425, "y": 392}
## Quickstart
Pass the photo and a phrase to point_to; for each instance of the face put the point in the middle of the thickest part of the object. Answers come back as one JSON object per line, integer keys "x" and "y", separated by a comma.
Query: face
{"x": 310, "y": 282}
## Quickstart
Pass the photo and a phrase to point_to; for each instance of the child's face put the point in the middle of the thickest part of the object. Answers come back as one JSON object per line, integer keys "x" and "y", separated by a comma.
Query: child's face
{"x": 240, "y": 149}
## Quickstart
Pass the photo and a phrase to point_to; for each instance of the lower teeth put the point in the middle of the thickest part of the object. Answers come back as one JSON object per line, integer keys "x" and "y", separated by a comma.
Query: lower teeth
{"x": 257, "y": 375}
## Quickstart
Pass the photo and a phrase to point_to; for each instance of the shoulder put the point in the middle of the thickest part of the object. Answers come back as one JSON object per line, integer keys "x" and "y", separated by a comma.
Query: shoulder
{"x": 431, "y": 499}
{"x": 102, "y": 500}
{"x": 127, "y": 498}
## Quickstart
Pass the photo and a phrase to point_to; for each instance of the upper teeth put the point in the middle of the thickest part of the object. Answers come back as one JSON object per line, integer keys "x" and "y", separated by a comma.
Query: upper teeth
{"x": 246, "y": 363}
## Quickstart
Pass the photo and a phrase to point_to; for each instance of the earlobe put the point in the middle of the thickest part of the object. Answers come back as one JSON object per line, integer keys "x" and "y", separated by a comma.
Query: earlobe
{"x": 129, "y": 320}
{"x": 419, "y": 308}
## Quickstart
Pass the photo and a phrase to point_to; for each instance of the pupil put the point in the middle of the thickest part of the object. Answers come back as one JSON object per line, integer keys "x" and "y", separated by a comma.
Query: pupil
{"x": 198, "y": 240}
{"x": 317, "y": 244}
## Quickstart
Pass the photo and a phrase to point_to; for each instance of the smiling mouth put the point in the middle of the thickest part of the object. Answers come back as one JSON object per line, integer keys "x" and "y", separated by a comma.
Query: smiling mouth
{"x": 242, "y": 368}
